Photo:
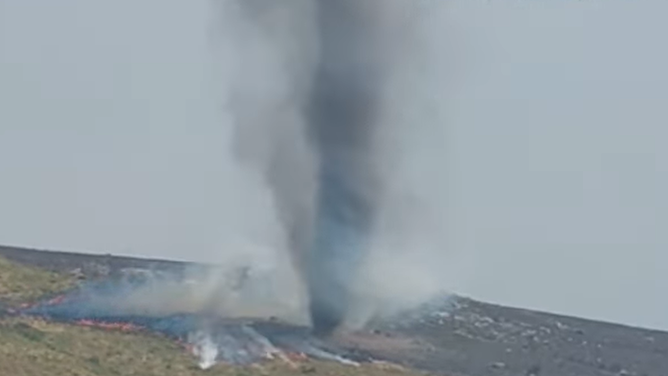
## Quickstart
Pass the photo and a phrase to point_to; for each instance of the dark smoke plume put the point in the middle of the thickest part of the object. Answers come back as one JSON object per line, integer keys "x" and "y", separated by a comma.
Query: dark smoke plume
{"x": 341, "y": 115}
{"x": 321, "y": 92}
{"x": 312, "y": 136}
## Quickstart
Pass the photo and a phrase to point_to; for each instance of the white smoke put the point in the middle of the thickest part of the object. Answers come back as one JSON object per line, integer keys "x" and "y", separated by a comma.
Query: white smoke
{"x": 204, "y": 348}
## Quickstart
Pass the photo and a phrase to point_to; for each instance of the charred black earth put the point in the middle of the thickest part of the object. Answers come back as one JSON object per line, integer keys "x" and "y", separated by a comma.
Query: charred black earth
{"x": 451, "y": 337}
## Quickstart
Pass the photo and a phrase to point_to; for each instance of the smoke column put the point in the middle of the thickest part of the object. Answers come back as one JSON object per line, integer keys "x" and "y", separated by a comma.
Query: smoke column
{"x": 341, "y": 119}
{"x": 327, "y": 114}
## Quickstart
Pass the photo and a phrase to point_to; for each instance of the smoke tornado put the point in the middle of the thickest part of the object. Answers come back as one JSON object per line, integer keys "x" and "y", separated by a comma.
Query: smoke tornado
{"x": 341, "y": 119}
{"x": 310, "y": 102}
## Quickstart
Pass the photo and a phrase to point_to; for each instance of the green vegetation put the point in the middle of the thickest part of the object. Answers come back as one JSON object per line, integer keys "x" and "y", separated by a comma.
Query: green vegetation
{"x": 20, "y": 283}
{"x": 34, "y": 347}
{"x": 30, "y": 347}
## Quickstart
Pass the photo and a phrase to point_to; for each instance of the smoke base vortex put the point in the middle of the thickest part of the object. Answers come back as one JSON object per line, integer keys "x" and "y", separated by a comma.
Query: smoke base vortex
{"x": 341, "y": 119}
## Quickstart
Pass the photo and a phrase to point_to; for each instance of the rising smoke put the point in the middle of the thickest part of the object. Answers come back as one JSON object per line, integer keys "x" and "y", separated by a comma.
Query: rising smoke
{"x": 332, "y": 107}
{"x": 336, "y": 108}
{"x": 341, "y": 113}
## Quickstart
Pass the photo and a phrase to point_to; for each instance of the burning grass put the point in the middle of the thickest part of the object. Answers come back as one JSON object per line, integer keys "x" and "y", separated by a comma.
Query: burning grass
{"x": 21, "y": 283}
{"x": 33, "y": 347}
{"x": 87, "y": 342}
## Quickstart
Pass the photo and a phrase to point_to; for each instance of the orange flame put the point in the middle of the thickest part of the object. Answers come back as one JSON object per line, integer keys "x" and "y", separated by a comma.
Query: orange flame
{"x": 120, "y": 326}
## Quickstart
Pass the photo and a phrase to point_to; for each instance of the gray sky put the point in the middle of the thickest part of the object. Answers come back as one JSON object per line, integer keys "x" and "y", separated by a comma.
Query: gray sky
{"x": 111, "y": 141}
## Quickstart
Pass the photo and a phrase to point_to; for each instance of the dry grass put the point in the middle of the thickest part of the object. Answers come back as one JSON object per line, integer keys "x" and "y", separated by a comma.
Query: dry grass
{"x": 31, "y": 347}
{"x": 24, "y": 283}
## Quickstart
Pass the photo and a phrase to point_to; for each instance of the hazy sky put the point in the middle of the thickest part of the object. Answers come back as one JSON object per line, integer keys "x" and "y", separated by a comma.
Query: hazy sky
{"x": 111, "y": 141}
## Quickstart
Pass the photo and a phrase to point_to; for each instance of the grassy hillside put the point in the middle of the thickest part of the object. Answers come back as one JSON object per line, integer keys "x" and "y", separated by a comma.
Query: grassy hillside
{"x": 30, "y": 347}
{"x": 24, "y": 283}
{"x": 33, "y": 347}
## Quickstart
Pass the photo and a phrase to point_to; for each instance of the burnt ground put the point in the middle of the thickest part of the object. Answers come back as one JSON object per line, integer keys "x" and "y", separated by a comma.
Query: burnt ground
{"x": 461, "y": 338}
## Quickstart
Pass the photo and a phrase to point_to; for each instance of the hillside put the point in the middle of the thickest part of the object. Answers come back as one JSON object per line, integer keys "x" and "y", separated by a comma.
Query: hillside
{"x": 463, "y": 338}
{"x": 22, "y": 283}
{"x": 35, "y": 347}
